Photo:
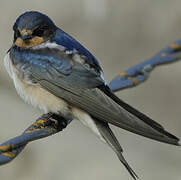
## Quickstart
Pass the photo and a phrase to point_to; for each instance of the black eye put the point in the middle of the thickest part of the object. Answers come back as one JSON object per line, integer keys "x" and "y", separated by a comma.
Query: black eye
{"x": 38, "y": 32}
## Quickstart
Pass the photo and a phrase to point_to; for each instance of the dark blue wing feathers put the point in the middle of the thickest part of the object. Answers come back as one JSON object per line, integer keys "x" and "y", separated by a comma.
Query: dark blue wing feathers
{"x": 71, "y": 44}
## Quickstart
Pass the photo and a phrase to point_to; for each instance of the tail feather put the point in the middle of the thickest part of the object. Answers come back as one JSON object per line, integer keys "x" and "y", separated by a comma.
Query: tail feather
{"x": 111, "y": 140}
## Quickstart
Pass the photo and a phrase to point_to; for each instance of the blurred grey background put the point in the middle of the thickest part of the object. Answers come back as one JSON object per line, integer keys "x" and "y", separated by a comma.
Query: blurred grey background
{"x": 120, "y": 34}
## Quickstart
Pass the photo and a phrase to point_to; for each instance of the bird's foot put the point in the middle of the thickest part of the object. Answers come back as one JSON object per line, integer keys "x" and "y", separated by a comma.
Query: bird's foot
{"x": 59, "y": 121}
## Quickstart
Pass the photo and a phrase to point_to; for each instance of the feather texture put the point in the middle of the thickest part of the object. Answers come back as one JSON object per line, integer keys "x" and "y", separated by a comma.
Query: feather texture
{"x": 83, "y": 87}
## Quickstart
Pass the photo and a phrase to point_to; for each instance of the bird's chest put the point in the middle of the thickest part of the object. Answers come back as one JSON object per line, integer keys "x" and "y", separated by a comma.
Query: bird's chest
{"x": 33, "y": 93}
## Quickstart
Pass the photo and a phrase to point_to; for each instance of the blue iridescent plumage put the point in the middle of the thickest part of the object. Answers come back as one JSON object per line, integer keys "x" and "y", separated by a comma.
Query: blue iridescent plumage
{"x": 33, "y": 18}
{"x": 60, "y": 37}
{"x": 53, "y": 71}
{"x": 39, "y": 60}
{"x": 71, "y": 44}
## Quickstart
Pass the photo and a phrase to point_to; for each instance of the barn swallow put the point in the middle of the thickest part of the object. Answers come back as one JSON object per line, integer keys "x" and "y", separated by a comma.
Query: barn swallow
{"x": 54, "y": 72}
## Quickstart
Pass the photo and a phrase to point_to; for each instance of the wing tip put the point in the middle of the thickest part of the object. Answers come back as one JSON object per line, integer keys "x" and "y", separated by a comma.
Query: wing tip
{"x": 178, "y": 143}
{"x": 172, "y": 139}
{"x": 164, "y": 136}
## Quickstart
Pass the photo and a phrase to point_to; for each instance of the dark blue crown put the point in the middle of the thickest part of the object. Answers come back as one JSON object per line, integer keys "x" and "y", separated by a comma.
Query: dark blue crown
{"x": 32, "y": 19}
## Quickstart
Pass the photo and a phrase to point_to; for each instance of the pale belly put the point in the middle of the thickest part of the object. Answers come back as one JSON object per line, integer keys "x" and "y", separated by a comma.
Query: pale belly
{"x": 39, "y": 97}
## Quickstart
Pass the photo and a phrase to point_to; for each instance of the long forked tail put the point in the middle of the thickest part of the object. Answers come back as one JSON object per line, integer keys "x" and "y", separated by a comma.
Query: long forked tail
{"x": 111, "y": 140}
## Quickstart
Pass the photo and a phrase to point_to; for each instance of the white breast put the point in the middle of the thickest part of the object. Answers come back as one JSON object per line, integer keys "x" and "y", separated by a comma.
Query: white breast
{"x": 34, "y": 94}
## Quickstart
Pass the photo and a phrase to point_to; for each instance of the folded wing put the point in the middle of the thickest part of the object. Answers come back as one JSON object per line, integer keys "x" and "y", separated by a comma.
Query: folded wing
{"x": 81, "y": 85}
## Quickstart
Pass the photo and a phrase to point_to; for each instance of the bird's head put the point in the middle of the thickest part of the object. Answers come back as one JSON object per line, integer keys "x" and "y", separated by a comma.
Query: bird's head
{"x": 33, "y": 28}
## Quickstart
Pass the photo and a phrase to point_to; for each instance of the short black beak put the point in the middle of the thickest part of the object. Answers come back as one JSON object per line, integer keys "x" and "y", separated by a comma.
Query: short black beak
{"x": 26, "y": 37}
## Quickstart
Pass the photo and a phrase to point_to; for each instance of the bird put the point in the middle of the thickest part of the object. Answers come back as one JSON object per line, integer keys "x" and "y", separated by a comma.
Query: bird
{"x": 55, "y": 73}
